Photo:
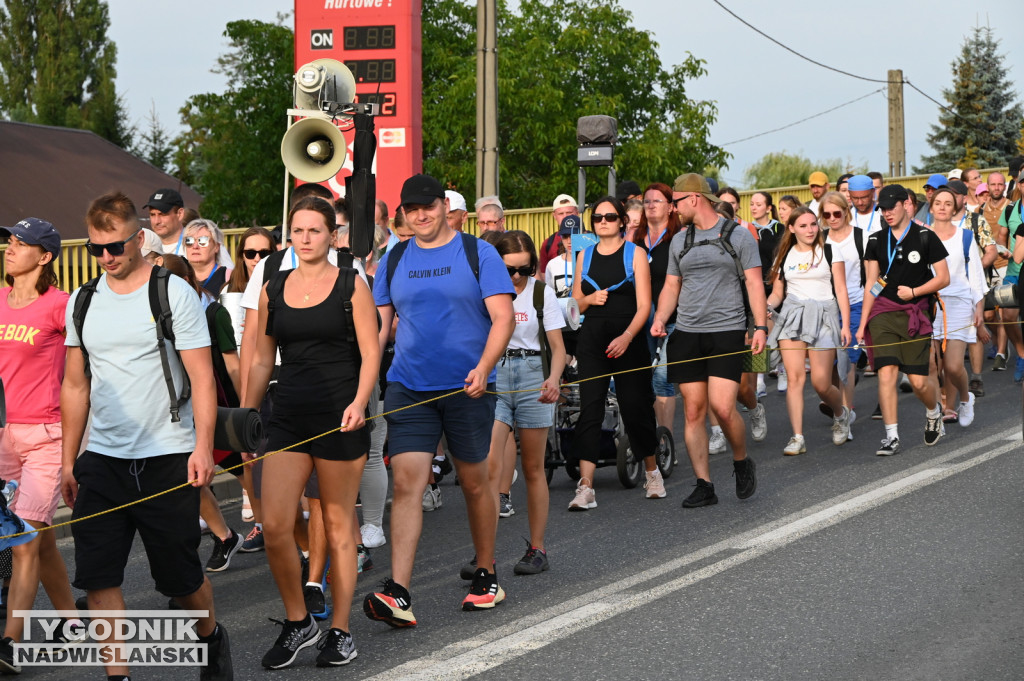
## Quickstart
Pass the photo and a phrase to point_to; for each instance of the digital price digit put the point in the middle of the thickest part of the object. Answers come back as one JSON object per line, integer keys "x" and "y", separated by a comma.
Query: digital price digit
{"x": 370, "y": 38}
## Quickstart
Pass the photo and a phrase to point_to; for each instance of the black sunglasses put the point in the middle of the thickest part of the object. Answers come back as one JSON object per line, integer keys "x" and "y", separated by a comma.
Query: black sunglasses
{"x": 604, "y": 217}
{"x": 114, "y": 247}
{"x": 835, "y": 214}
{"x": 524, "y": 271}
{"x": 251, "y": 253}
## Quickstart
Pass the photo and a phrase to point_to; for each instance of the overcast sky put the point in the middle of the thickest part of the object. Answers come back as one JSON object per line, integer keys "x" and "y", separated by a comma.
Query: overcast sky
{"x": 165, "y": 57}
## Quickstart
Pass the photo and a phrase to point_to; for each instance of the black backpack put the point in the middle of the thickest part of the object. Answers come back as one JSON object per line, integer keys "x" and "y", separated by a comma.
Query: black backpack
{"x": 470, "y": 244}
{"x": 723, "y": 241}
{"x": 160, "y": 306}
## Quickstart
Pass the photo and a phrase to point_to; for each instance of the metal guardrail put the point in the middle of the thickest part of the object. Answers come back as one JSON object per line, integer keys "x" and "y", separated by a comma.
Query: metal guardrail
{"x": 76, "y": 266}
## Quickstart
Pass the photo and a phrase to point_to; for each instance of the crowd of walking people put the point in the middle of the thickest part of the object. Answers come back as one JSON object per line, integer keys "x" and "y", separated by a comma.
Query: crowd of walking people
{"x": 445, "y": 353}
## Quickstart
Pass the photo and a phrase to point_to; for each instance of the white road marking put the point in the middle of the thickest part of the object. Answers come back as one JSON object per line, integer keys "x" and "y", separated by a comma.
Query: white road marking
{"x": 502, "y": 644}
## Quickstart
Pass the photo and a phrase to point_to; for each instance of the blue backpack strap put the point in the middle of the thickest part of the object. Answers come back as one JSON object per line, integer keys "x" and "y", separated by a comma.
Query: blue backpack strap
{"x": 627, "y": 260}
{"x": 968, "y": 237}
{"x": 588, "y": 255}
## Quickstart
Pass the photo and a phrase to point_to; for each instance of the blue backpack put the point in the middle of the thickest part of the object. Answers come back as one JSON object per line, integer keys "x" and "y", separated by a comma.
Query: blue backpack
{"x": 627, "y": 261}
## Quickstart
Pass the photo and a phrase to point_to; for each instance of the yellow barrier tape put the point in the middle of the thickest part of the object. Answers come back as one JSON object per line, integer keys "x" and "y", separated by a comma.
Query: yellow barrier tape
{"x": 441, "y": 397}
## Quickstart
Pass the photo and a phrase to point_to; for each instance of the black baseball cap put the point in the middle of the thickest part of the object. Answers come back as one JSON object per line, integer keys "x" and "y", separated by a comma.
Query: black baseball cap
{"x": 421, "y": 190}
{"x": 958, "y": 187}
{"x": 626, "y": 189}
{"x": 165, "y": 200}
{"x": 890, "y": 195}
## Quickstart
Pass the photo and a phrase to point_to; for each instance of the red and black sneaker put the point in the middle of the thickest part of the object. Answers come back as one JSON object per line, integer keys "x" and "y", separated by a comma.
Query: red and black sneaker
{"x": 484, "y": 592}
{"x": 391, "y": 605}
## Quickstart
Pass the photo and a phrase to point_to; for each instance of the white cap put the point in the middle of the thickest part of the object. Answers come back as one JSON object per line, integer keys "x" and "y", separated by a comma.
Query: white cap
{"x": 955, "y": 174}
{"x": 562, "y": 200}
{"x": 455, "y": 200}
{"x": 151, "y": 243}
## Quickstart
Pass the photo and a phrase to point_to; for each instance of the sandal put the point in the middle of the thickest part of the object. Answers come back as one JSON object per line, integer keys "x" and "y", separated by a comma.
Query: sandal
{"x": 950, "y": 416}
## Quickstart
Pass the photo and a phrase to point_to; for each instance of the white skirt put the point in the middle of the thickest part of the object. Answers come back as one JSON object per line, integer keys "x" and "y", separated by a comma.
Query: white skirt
{"x": 957, "y": 323}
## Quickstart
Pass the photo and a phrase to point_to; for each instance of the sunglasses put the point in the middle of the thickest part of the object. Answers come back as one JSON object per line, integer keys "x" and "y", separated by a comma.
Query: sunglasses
{"x": 203, "y": 241}
{"x": 113, "y": 248}
{"x": 251, "y": 253}
{"x": 524, "y": 271}
{"x": 605, "y": 217}
{"x": 834, "y": 214}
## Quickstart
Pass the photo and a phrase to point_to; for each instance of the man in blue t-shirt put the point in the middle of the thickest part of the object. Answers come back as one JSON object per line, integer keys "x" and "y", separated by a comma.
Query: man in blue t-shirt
{"x": 455, "y": 324}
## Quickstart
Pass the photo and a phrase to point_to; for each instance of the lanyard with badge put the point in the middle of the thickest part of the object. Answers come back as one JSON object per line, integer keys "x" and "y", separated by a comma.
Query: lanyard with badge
{"x": 651, "y": 247}
{"x": 892, "y": 251}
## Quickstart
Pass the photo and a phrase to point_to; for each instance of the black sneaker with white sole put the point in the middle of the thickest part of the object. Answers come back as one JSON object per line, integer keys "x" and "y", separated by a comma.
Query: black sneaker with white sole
{"x": 336, "y": 648}
{"x": 316, "y": 603}
{"x": 890, "y": 446}
{"x": 7, "y": 665}
{"x": 223, "y": 550}
{"x": 294, "y": 637}
{"x": 933, "y": 429}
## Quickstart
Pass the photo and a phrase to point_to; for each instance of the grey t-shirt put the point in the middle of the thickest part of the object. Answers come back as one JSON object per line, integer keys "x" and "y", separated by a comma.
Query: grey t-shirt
{"x": 710, "y": 299}
{"x": 131, "y": 416}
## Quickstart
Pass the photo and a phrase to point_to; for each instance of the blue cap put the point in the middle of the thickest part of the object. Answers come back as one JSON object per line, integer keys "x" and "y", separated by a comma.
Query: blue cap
{"x": 37, "y": 233}
{"x": 571, "y": 224}
{"x": 937, "y": 180}
{"x": 860, "y": 183}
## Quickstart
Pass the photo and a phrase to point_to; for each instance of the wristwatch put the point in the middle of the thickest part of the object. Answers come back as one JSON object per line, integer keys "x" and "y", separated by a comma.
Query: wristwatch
{"x": 761, "y": 328}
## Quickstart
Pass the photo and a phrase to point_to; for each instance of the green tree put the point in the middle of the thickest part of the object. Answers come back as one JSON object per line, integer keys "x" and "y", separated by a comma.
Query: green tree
{"x": 153, "y": 145}
{"x": 782, "y": 169}
{"x": 57, "y": 67}
{"x": 230, "y": 149}
{"x": 557, "y": 63}
{"x": 982, "y": 114}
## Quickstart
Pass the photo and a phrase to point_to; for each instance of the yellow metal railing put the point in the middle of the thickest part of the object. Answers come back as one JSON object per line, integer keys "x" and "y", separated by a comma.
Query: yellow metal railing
{"x": 76, "y": 266}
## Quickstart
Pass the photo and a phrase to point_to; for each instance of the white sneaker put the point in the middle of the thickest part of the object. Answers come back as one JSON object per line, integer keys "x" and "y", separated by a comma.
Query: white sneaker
{"x": 841, "y": 428}
{"x": 373, "y": 536}
{"x": 762, "y": 389}
{"x": 717, "y": 443}
{"x": 247, "y": 516}
{"x": 783, "y": 381}
{"x": 431, "y": 499}
{"x": 584, "y": 500}
{"x": 759, "y": 423}
{"x": 796, "y": 445}
{"x": 655, "y": 485}
{"x": 965, "y": 412}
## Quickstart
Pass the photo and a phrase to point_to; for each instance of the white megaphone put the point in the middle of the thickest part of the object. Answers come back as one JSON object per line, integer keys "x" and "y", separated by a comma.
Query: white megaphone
{"x": 313, "y": 149}
{"x": 323, "y": 80}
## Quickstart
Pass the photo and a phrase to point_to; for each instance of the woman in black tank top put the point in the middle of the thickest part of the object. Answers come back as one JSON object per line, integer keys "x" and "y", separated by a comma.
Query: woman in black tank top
{"x": 325, "y": 381}
{"x": 612, "y": 340}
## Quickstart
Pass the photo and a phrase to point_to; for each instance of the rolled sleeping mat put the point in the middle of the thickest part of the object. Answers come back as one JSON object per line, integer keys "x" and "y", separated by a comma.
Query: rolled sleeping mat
{"x": 571, "y": 312}
{"x": 1002, "y": 296}
{"x": 237, "y": 430}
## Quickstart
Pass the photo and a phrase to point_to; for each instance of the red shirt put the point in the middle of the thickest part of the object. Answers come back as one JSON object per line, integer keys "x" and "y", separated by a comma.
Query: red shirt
{"x": 32, "y": 356}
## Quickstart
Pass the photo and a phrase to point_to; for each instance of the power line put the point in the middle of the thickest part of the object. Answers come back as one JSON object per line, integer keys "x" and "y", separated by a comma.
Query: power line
{"x": 845, "y": 73}
{"x": 789, "y": 49}
{"x": 803, "y": 120}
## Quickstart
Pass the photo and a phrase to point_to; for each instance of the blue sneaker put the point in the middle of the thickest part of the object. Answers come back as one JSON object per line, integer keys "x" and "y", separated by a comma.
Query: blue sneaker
{"x": 1018, "y": 373}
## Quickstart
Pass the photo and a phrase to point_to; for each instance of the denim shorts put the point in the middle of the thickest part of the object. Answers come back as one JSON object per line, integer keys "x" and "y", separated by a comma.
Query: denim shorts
{"x": 659, "y": 382}
{"x": 465, "y": 422}
{"x": 522, "y": 409}
{"x": 851, "y": 352}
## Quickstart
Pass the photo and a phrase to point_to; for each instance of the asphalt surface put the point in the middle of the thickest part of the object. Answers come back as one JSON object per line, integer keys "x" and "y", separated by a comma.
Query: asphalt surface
{"x": 843, "y": 565}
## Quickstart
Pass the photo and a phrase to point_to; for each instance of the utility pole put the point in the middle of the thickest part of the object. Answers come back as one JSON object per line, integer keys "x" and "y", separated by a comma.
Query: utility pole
{"x": 486, "y": 98}
{"x": 897, "y": 136}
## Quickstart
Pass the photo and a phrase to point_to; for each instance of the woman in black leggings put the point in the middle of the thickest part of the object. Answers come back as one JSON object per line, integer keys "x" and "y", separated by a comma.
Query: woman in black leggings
{"x": 617, "y": 304}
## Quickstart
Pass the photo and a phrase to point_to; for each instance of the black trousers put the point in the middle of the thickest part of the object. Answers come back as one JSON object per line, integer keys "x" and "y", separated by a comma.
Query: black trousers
{"x": 633, "y": 389}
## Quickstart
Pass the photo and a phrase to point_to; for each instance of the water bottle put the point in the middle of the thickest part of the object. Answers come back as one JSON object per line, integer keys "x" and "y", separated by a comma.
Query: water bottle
{"x": 9, "y": 490}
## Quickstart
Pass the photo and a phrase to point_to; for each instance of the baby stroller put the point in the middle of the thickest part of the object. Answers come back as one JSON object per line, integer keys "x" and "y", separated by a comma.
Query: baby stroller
{"x": 614, "y": 445}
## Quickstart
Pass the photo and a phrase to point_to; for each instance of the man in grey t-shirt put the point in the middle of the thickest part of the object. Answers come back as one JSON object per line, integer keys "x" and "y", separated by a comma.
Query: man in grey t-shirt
{"x": 711, "y": 320}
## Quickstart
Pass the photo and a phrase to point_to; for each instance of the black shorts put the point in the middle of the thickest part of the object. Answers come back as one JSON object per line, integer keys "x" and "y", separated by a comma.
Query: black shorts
{"x": 167, "y": 524}
{"x": 287, "y": 430}
{"x": 683, "y": 345}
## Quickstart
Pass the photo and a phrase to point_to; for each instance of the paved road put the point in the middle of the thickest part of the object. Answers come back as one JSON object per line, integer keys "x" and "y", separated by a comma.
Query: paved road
{"x": 844, "y": 565}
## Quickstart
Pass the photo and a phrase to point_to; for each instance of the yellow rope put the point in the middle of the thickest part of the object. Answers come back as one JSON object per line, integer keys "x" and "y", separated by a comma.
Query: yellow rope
{"x": 441, "y": 397}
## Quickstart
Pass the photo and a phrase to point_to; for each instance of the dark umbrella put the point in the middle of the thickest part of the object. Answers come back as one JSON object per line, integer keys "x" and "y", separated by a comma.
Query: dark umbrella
{"x": 361, "y": 187}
